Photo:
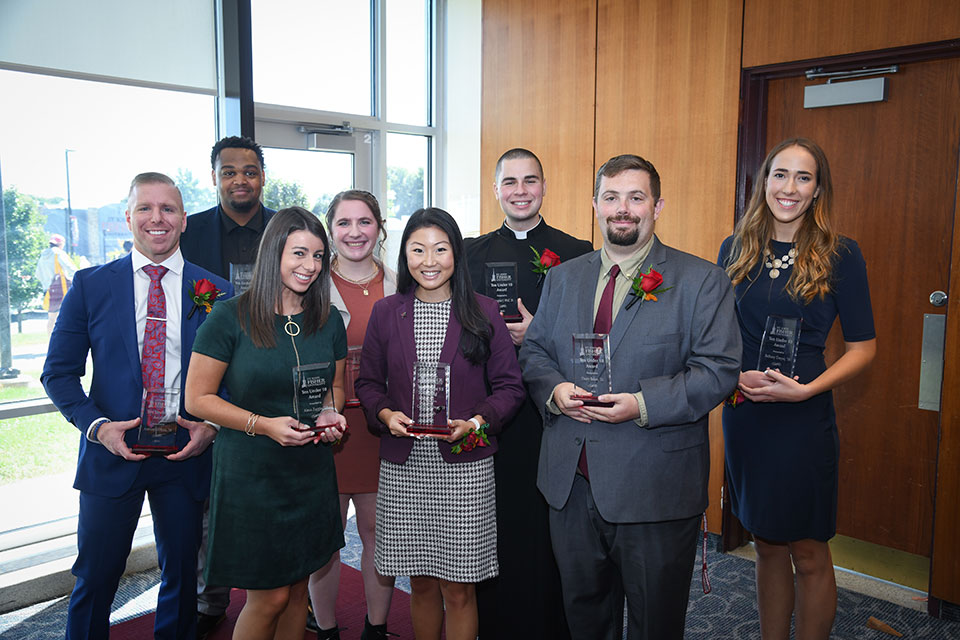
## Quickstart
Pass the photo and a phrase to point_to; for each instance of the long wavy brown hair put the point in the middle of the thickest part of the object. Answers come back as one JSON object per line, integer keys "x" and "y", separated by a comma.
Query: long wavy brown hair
{"x": 816, "y": 240}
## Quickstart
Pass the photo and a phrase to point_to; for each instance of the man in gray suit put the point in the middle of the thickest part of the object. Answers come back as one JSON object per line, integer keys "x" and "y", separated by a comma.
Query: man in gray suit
{"x": 627, "y": 483}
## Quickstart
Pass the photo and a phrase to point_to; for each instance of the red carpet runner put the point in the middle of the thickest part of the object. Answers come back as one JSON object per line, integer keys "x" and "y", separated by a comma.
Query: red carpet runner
{"x": 351, "y": 608}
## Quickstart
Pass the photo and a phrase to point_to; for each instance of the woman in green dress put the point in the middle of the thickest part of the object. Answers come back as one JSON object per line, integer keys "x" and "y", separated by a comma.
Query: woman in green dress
{"x": 280, "y": 353}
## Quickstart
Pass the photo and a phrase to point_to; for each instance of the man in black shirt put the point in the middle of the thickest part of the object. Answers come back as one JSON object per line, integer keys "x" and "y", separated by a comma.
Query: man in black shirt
{"x": 225, "y": 240}
{"x": 524, "y": 602}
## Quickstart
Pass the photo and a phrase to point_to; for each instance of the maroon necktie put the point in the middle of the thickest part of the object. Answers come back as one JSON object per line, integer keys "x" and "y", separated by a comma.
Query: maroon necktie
{"x": 153, "y": 360}
{"x": 602, "y": 324}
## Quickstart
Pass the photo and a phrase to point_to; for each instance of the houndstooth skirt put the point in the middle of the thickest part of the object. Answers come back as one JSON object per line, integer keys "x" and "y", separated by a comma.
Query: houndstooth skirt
{"x": 436, "y": 518}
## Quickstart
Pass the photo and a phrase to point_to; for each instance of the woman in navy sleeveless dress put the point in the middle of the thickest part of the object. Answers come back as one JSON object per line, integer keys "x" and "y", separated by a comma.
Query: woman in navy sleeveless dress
{"x": 780, "y": 432}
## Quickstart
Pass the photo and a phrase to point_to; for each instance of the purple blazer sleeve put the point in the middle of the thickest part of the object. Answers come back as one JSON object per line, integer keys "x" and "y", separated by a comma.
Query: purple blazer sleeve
{"x": 371, "y": 383}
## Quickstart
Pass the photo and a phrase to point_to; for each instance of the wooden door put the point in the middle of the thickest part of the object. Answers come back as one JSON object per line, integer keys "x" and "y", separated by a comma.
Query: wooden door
{"x": 894, "y": 168}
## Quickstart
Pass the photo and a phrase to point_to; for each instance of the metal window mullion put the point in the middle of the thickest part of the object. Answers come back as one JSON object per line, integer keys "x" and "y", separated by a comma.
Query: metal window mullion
{"x": 436, "y": 169}
{"x": 379, "y": 150}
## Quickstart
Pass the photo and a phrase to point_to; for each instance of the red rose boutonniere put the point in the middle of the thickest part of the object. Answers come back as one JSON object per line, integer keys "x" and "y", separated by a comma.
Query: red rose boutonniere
{"x": 646, "y": 286}
{"x": 474, "y": 438}
{"x": 544, "y": 262}
{"x": 735, "y": 399}
{"x": 204, "y": 294}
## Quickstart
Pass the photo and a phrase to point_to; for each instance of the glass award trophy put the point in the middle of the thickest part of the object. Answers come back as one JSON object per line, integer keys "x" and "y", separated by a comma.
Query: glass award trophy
{"x": 241, "y": 275}
{"x": 158, "y": 422}
{"x": 431, "y": 399}
{"x": 500, "y": 281}
{"x": 591, "y": 367}
{"x": 313, "y": 384}
{"x": 778, "y": 347}
{"x": 350, "y": 373}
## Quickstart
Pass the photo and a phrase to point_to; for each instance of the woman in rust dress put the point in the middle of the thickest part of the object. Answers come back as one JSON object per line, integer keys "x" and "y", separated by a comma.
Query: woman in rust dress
{"x": 359, "y": 280}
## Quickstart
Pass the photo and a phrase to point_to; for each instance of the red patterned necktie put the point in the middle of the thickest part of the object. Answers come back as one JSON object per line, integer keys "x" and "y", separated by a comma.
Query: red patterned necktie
{"x": 153, "y": 359}
{"x": 601, "y": 324}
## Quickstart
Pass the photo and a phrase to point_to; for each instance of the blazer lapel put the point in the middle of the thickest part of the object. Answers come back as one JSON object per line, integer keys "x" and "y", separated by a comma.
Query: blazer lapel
{"x": 125, "y": 307}
{"x": 188, "y": 326}
{"x": 451, "y": 341}
{"x": 408, "y": 345}
{"x": 625, "y": 317}
{"x": 588, "y": 285}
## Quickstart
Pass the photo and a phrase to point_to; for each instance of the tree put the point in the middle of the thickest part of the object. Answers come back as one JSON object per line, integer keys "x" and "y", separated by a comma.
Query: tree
{"x": 280, "y": 194}
{"x": 322, "y": 204}
{"x": 195, "y": 197}
{"x": 26, "y": 240}
{"x": 404, "y": 191}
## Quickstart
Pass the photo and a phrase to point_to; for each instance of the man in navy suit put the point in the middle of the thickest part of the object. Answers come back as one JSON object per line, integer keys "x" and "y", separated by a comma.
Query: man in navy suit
{"x": 105, "y": 313}
{"x": 225, "y": 240}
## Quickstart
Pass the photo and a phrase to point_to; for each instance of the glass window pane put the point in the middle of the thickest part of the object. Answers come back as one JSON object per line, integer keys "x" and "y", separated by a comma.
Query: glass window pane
{"x": 103, "y": 135}
{"x": 308, "y": 179}
{"x": 408, "y": 61}
{"x": 407, "y": 164}
{"x": 314, "y": 55}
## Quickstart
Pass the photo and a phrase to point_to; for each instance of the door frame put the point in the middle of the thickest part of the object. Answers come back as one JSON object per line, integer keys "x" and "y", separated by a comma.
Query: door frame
{"x": 751, "y": 150}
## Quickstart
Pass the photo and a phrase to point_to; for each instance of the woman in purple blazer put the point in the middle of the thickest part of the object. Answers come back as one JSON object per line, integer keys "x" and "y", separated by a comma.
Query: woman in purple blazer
{"x": 436, "y": 510}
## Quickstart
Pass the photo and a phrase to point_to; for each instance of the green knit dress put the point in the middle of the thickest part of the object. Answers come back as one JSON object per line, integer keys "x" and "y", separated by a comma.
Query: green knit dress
{"x": 274, "y": 511}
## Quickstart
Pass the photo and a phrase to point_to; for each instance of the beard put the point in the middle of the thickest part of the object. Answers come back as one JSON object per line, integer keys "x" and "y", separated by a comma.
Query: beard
{"x": 243, "y": 206}
{"x": 624, "y": 237}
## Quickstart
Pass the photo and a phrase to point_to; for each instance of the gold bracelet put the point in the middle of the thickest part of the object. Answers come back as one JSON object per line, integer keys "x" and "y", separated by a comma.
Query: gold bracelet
{"x": 250, "y": 429}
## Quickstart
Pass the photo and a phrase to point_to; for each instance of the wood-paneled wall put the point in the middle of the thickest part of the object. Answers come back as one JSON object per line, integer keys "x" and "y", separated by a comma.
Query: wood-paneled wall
{"x": 667, "y": 89}
{"x": 539, "y": 59}
{"x": 786, "y": 31}
{"x": 582, "y": 80}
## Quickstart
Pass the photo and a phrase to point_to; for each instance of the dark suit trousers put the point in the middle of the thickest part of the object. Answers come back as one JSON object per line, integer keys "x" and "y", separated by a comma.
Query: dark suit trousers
{"x": 104, "y": 536}
{"x": 600, "y": 562}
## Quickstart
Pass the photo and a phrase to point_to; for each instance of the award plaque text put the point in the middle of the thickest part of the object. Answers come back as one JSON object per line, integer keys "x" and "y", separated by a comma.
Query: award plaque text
{"x": 313, "y": 384}
{"x": 500, "y": 279}
{"x": 778, "y": 347}
{"x": 591, "y": 367}
{"x": 158, "y": 421}
{"x": 431, "y": 399}
{"x": 241, "y": 275}
{"x": 350, "y": 373}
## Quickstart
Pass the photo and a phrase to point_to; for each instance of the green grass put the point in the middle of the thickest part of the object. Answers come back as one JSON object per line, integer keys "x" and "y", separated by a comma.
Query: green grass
{"x": 29, "y": 342}
{"x": 36, "y": 446}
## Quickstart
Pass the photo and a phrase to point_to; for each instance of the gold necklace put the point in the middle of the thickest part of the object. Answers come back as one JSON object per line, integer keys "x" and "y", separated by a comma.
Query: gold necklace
{"x": 363, "y": 283}
{"x": 775, "y": 264}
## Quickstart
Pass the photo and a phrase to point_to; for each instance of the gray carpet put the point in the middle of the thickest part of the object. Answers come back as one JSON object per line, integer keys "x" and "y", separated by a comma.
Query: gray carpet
{"x": 727, "y": 613}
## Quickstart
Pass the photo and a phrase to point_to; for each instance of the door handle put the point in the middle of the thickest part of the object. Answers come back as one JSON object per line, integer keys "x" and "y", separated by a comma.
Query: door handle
{"x": 931, "y": 360}
{"x": 938, "y": 298}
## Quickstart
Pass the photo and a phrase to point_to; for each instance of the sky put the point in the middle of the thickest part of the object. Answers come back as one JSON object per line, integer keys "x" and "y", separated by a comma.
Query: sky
{"x": 301, "y": 58}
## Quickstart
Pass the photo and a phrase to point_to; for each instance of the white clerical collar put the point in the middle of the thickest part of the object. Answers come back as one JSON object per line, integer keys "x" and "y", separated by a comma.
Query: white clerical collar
{"x": 522, "y": 235}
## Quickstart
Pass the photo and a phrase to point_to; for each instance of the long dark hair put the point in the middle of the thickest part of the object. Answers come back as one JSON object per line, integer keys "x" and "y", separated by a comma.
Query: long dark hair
{"x": 816, "y": 239}
{"x": 258, "y": 305}
{"x": 475, "y": 339}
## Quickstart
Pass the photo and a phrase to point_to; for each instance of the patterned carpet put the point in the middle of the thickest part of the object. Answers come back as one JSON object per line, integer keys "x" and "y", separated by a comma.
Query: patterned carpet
{"x": 727, "y": 613}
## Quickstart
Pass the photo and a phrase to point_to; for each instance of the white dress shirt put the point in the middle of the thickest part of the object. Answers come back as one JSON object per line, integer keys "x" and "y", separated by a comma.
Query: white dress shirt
{"x": 172, "y": 283}
{"x": 173, "y": 292}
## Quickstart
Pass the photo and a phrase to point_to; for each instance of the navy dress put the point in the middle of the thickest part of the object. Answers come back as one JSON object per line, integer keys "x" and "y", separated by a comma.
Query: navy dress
{"x": 782, "y": 457}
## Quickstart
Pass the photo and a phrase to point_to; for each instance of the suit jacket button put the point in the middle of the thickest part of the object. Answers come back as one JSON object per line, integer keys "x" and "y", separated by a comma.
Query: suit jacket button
{"x": 578, "y": 441}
